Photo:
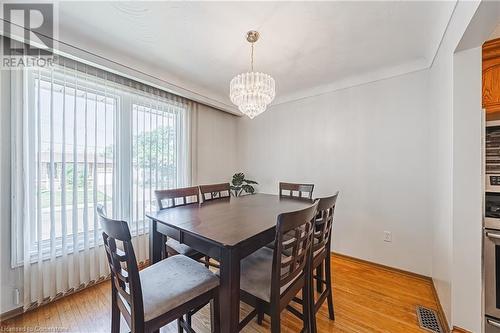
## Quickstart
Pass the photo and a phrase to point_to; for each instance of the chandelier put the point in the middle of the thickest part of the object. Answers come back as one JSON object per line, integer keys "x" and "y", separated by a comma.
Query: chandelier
{"x": 252, "y": 91}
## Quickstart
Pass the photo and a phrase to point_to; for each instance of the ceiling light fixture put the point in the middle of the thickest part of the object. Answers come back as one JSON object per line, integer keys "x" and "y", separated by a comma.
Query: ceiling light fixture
{"x": 252, "y": 91}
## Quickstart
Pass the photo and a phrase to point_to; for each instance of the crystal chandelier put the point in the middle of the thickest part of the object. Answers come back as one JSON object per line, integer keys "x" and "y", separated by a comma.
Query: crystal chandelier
{"x": 252, "y": 91}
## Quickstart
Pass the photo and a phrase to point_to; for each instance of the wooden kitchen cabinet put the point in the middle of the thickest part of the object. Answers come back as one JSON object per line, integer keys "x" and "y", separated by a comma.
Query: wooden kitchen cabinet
{"x": 491, "y": 76}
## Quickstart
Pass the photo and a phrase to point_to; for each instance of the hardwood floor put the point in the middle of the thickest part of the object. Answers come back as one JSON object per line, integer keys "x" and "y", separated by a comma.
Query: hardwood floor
{"x": 368, "y": 298}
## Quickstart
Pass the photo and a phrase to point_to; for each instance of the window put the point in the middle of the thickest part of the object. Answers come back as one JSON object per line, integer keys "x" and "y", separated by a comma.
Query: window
{"x": 154, "y": 154}
{"x": 92, "y": 139}
{"x": 74, "y": 140}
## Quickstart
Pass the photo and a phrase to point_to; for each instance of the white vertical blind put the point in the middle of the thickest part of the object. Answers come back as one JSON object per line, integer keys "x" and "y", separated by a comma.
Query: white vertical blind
{"x": 84, "y": 136}
{"x": 64, "y": 216}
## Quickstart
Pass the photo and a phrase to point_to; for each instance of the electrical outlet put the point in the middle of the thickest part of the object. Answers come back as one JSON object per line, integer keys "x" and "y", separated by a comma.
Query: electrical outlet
{"x": 387, "y": 236}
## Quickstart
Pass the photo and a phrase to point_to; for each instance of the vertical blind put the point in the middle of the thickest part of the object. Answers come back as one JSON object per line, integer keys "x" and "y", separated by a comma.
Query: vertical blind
{"x": 84, "y": 136}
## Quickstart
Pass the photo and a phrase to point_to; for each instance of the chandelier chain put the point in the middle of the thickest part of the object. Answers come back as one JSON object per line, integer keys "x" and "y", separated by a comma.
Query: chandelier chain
{"x": 251, "y": 62}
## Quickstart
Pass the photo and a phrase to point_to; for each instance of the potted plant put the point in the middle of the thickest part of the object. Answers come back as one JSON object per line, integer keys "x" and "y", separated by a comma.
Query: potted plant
{"x": 239, "y": 184}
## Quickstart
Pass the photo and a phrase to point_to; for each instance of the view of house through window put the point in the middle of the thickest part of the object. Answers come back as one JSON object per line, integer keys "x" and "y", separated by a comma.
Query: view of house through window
{"x": 81, "y": 125}
{"x": 74, "y": 154}
{"x": 154, "y": 155}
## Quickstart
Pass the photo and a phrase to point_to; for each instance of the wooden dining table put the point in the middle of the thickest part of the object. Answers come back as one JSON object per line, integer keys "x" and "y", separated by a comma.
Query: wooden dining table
{"x": 228, "y": 230}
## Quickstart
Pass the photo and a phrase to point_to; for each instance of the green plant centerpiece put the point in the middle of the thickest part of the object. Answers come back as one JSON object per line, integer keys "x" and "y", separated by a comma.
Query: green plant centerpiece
{"x": 241, "y": 185}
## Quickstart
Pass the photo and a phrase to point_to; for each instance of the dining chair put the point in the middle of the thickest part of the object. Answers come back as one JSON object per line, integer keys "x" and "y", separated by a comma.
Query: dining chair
{"x": 271, "y": 278}
{"x": 321, "y": 258}
{"x": 294, "y": 190}
{"x": 215, "y": 191}
{"x": 174, "y": 198}
{"x": 160, "y": 293}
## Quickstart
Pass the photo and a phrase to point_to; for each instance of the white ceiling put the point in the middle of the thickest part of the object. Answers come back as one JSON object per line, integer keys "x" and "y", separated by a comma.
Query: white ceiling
{"x": 308, "y": 47}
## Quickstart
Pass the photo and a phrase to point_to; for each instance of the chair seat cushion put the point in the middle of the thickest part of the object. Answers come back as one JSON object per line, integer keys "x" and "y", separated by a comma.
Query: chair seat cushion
{"x": 180, "y": 248}
{"x": 173, "y": 282}
{"x": 256, "y": 271}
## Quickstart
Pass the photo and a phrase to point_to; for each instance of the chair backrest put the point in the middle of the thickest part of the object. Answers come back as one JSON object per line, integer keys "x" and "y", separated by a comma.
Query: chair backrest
{"x": 215, "y": 191}
{"x": 324, "y": 223}
{"x": 126, "y": 283}
{"x": 177, "y": 197}
{"x": 293, "y": 190}
{"x": 294, "y": 236}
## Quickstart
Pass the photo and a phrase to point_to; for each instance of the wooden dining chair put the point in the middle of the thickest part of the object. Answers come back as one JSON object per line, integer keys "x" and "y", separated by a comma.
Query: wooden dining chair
{"x": 321, "y": 259}
{"x": 270, "y": 279}
{"x": 166, "y": 199}
{"x": 293, "y": 190}
{"x": 215, "y": 191}
{"x": 159, "y": 294}
{"x": 177, "y": 197}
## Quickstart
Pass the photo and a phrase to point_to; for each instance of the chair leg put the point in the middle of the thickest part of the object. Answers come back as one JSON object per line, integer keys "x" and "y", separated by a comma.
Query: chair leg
{"x": 328, "y": 273}
{"x": 260, "y": 312}
{"x": 305, "y": 311}
{"x": 275, "y": 320}
{"x": 115, "y": 316}
{"x": 179, "y": 326}
{"x": 164, "y": 249}
{"x": 215, "y": 313}
{"x": 207, "y": 261}
{"x": 319, "y": 275}
{"x": 165, "y": 254}
{"x": 308, "y": 305}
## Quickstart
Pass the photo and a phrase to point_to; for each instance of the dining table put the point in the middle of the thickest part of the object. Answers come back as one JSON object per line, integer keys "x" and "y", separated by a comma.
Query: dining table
{"x": 228, "y": 230}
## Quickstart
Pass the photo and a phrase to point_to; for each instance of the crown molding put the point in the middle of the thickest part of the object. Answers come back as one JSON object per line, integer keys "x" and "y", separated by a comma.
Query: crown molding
{"x": 354, "y": 81}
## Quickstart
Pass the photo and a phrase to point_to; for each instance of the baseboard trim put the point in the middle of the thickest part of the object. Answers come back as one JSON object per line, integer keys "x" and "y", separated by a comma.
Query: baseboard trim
{"x": 11, "y": 314}
{"x": 382, "y": 266}
{"x": 460, "y": 330}
{"x": 441, "y": 315}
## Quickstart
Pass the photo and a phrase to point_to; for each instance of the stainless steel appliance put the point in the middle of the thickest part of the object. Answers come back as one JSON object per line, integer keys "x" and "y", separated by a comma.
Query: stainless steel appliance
{"x": 492, "y": 228}
{"x": 492, "y": 279}
{"x": 492, "y": 156}
{"x": 492, "y": 325}
{"x": 492, "y": 210}
{"x": 493, "y": 182}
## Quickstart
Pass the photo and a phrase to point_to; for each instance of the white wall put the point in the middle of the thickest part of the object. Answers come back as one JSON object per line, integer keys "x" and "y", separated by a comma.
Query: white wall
{"x": 496, "y": 33}
{"x": 467, "y": 190}
{"x": 442, "y": 171}
{"x": 9, "y": 278}
{"x": 216, "y": 146}
{"x": 441, "y": 83}
{"x": 371, "y": 143}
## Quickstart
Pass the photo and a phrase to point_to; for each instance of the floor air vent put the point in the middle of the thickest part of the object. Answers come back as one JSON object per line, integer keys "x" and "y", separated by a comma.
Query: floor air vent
{"x": 428, "y": 320}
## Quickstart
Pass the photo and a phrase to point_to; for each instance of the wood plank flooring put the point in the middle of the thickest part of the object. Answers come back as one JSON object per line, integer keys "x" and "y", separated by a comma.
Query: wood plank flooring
{"x": 368, "y": 298}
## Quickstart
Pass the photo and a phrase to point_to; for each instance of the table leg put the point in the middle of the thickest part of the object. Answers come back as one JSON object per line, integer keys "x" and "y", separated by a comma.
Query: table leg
{"x": 229, "y": 291}
{"x": 156, "y": 244}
